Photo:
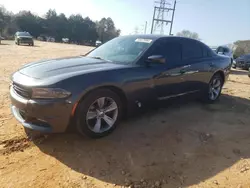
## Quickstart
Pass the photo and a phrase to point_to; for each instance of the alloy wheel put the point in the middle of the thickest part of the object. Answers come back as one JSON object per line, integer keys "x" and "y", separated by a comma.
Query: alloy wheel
{"x": 215, "y": 88}
{"x": 102, "y": 115}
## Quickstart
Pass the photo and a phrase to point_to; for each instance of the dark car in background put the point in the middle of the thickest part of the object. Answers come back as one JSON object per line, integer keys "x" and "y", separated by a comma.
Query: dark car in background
{"x": 243, "y": 62}
{"x": 24, "y": 38}
{"x": 1, "y": 38}
{"x": 95, "y": 91}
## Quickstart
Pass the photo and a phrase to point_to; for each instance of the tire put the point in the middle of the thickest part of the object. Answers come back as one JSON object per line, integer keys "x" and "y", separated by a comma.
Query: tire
{"x": 98, "y": 116}
{"x": 32, "y": 44}
{"x": 213, "y": 91}
{"x": 18, "y": 43}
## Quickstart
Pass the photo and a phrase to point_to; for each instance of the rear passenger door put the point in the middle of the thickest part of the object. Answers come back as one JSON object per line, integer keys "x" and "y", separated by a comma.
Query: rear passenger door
{"x": 197, "y": 60}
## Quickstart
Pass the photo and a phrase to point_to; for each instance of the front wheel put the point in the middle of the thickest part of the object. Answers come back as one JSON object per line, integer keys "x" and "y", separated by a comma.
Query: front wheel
{"x": 214, "y": 89}
{"x": 98, "y": 113}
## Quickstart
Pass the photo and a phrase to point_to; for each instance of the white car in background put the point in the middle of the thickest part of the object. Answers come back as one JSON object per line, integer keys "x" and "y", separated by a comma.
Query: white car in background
{"x": 98, "y": 43}
{"x": 225, "y": 50}
{"x": 65, "y": 40}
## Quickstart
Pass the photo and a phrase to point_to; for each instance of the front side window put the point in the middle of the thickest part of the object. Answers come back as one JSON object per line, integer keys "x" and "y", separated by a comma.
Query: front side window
{"x": 121, "y": 49}
{"x": 170, "y": 50}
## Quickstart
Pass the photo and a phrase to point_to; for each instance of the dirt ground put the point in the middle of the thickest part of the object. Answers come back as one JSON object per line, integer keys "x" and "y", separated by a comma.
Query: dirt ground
{"x": 182, "y": 144}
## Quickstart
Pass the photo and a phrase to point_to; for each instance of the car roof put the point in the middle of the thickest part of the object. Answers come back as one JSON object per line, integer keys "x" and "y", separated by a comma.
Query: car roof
{"x": 155, "y": 37}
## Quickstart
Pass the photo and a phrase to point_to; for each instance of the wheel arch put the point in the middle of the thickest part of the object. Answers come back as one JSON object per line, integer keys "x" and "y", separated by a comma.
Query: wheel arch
{"x": 112, "y": 88}
{"x": 221, "y": 73}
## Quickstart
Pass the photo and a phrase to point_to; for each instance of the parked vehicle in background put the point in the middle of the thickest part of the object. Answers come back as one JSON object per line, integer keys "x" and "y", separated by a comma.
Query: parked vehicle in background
{"x": 214, "y": 49}
{"x": 1, "y": 38}
{"x": 51, "y": 39}
{"x": 243, "y": 62}
{"x": 224, "y": 50}
{"x": 42, "y": 38}
{"x": 65, "y": 40}
{"x": 126, "y": 73}
{"x": 98, "y": 43}
{"x": 24, "y": 38}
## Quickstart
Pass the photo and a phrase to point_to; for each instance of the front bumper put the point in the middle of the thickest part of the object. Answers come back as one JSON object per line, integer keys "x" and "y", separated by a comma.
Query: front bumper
{"x": 41, "y": 115}
{"x": 25, "y": 41}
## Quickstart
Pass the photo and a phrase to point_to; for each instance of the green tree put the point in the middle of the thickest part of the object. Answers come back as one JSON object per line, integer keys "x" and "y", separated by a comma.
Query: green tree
{"x": 26, "y": 21}
{"x": 78, "y": 29}
{"x": 5, "y": 19}
{"x": 106, "y": 29}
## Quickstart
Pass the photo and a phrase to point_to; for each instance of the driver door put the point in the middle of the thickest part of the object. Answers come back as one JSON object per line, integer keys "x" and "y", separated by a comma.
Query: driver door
{"x": 168, "y": 78}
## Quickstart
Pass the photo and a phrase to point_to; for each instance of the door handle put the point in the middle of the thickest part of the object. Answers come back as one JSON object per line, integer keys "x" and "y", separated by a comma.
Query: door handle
{"x": 186, "y": 66}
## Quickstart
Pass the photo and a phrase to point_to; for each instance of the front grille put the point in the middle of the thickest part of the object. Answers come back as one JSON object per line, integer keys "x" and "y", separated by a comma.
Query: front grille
{"x": 22, "y": 91}
{"x": 241, "y": 62}
{"x": 25, "y": 40}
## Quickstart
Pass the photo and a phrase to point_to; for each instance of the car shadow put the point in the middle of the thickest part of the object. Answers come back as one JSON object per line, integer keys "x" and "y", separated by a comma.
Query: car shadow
{"x": 26, "y": 45}
{"x": 239, "y": 72}
{"x": 180, "y": 143}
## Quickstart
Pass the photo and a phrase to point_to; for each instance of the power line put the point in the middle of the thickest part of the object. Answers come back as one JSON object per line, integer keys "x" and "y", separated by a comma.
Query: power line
{"x": 159, "y": 17}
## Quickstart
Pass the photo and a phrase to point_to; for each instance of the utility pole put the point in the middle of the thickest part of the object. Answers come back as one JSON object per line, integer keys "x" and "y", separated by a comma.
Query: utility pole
{"x": 146, "y": 26}
{"x": 159, "y": 17}
{"x": 172, "y": 21}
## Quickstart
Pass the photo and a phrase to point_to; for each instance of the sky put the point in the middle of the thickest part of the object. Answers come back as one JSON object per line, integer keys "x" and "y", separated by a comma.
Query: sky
{"x": 217, "y": 22}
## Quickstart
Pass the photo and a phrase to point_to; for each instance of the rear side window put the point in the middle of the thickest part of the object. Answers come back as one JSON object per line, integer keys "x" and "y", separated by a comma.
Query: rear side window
{"x": 191, "y": 50}
{"x": 170, "y": 50}
{"x": 226, "y": 50}
{"x": 206, "y": 51}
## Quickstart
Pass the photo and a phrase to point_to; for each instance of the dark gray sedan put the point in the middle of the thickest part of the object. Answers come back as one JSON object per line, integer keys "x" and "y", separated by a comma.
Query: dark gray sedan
{"x": 94, "y": 91}
{"x": 243, "y": 62}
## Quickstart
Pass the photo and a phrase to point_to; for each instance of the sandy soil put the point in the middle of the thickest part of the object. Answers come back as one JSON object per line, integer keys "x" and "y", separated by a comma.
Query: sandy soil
{"x": 180, "y": 144}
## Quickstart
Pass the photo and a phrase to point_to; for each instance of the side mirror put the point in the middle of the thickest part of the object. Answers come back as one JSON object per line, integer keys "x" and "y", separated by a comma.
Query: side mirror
{"x": 156, "y": 59}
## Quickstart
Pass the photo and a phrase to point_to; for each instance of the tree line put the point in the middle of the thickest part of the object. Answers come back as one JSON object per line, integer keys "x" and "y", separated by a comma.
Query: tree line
{"x": 78, "y": 29}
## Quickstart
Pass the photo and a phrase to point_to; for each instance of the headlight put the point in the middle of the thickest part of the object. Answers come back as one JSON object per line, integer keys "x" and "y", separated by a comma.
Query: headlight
{"x": 49, "y": 93}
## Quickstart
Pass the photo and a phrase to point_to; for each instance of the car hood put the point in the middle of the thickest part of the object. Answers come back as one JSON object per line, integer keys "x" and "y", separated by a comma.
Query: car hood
{"x": 66, "y": 66}
{"x": 243, "y": 58}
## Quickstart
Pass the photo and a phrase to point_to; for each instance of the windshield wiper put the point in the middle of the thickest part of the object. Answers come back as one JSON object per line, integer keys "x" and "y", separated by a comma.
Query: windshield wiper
{"x": 97, "y": 57}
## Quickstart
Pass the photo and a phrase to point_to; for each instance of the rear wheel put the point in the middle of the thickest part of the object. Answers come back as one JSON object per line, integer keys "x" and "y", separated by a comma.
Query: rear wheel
{"x": 98, "y": 114}
{"x": 214, "y": 89}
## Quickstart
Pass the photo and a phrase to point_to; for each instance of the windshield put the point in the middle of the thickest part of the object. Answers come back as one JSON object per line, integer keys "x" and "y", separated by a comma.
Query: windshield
{"x": 23, "y": 34}
{"x": 121, "y": 49}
